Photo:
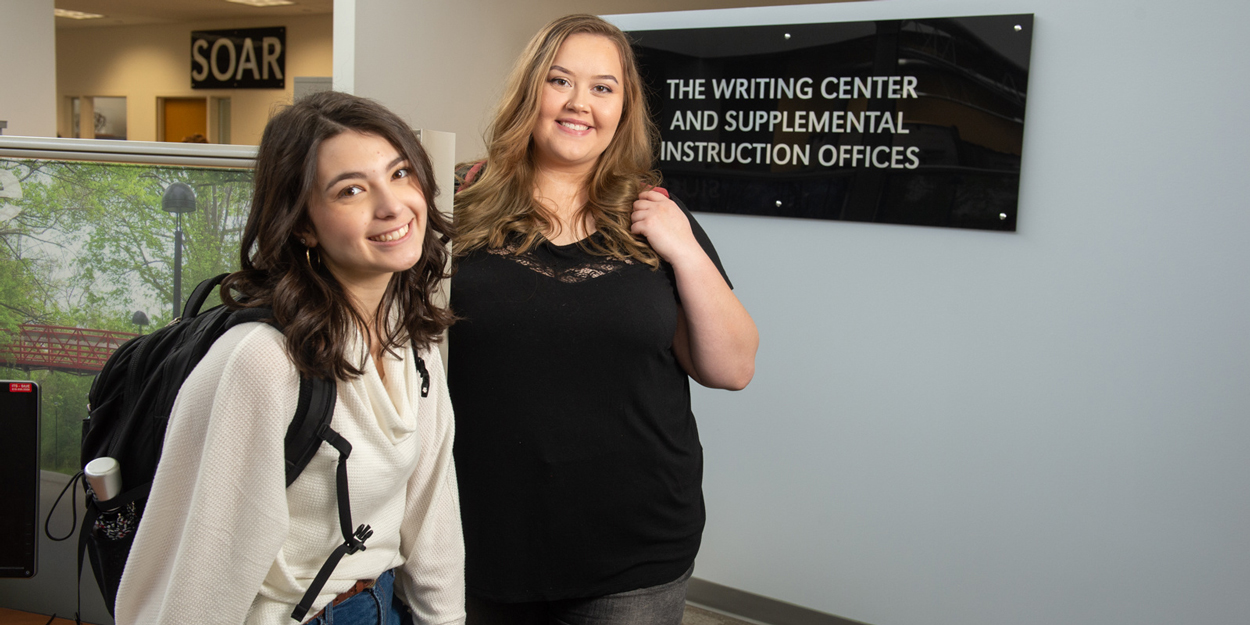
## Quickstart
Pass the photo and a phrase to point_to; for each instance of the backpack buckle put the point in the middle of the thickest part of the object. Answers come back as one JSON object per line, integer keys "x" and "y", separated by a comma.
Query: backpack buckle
{"x": 357, "y": 542}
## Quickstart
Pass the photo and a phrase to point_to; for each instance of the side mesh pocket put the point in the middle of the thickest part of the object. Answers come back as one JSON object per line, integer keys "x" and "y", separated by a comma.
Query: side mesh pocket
{"x": 109, "y": 538}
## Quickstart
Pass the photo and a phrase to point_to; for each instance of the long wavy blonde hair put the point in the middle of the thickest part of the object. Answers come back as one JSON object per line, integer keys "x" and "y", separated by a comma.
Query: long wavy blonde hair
{"x": 499, "y": 203}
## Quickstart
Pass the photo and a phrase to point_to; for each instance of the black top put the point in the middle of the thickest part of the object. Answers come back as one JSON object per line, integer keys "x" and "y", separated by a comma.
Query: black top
{"x": 579, "y": 461}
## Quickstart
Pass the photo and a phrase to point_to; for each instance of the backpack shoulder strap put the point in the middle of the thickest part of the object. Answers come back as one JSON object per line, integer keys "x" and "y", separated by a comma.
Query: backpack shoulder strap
{"x": 200, "y": 295}
{"x": 309, "y": 428}
{"x": 313, "y": 412}
{"x": 313, "y": 409}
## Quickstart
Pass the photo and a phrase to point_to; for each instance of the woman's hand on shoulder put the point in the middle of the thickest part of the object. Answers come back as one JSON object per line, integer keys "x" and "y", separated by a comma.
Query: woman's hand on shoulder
{"x": 665, "y": 226}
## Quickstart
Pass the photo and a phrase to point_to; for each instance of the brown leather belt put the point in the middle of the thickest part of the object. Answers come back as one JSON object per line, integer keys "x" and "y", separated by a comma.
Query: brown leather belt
{"x": 360, "y": 586}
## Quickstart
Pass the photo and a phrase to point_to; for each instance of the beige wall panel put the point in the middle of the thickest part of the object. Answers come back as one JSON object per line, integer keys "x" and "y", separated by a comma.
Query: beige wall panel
{"x": 143, "y": 63}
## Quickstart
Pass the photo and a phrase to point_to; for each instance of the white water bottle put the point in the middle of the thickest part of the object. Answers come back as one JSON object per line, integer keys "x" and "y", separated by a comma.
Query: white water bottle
{"x": 105, "y": 477}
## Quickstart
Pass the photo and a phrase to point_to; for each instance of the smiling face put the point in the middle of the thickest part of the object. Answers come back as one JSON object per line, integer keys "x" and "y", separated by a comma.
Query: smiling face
{"x": 366, "y": 210}
{"x": 581, "y": 104}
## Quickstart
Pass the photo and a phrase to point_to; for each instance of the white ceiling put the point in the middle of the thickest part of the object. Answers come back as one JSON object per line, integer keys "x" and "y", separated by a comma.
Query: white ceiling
{"x": 131, "y": 12}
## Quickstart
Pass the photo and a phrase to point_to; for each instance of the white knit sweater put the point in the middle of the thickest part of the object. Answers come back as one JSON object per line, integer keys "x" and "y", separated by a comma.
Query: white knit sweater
{"x": 223, "y": 540}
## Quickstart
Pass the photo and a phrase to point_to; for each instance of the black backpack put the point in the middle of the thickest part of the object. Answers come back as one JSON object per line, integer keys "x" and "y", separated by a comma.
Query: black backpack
{"x": 129, "y": 407}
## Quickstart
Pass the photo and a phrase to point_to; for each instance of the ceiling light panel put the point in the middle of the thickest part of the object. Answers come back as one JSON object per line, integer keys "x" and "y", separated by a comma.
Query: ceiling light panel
{"x": 76, "y": 15}
{"x": 263, "y": 3}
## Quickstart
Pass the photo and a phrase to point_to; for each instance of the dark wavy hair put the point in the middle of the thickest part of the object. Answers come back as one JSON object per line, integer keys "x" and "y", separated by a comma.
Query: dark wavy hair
{"x": 280, "y": 273}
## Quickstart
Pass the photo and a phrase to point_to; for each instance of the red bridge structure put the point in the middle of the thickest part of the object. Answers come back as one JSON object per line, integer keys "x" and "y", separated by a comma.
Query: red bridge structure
{"x": 59, "y": 348}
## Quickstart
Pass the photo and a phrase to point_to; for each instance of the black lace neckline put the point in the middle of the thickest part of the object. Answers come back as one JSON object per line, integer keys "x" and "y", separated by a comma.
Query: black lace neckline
{"x": 569, "y": 263}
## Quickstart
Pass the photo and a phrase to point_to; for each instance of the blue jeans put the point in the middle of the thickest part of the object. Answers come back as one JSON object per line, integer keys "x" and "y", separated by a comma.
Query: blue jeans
{"x": 376, "y": 605}
{"x": 656, "y": 605}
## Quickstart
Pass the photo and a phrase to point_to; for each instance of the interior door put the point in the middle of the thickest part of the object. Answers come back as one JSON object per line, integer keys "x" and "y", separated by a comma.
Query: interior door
{"x": 185, "y": 119}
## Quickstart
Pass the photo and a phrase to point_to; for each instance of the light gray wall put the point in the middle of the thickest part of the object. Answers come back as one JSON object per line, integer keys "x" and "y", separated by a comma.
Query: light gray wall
{"x": 28, "y": 67}
{"x": 976, "y": 428}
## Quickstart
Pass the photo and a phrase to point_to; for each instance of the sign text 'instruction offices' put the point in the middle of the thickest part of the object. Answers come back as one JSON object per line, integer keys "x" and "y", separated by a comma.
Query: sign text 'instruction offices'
{"x": 788, "y": 117}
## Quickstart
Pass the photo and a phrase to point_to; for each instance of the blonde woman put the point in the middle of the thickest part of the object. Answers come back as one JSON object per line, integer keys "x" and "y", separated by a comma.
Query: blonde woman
{"x": 588, "y": 299}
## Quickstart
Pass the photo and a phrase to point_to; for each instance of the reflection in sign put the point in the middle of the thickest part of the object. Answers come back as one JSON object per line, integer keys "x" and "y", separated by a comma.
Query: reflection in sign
{"x": 253, "y": 58}
{"x": 900, "y": 121}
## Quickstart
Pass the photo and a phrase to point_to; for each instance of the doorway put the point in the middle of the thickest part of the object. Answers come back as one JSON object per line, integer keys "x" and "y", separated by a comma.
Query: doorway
{"x": 184, "y": 120}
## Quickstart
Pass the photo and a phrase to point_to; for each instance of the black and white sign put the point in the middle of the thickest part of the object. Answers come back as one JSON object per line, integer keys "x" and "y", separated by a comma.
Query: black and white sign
{"x": 900, "y": 121}
{"x": 253, "y": 58}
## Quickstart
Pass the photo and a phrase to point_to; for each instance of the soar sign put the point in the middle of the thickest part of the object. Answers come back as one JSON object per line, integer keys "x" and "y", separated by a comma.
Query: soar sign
{"x": 253, "y": 58}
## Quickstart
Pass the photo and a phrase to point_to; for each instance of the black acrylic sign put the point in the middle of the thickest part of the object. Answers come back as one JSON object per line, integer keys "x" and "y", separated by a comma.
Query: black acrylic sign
{"x": 253, "y": 58}
{"x": 916, "y": 121}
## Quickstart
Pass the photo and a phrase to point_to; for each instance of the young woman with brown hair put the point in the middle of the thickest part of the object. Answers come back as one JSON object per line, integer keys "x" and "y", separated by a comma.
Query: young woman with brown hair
{"x": 588, "y": 299}
{"x": 344, "y": 245}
